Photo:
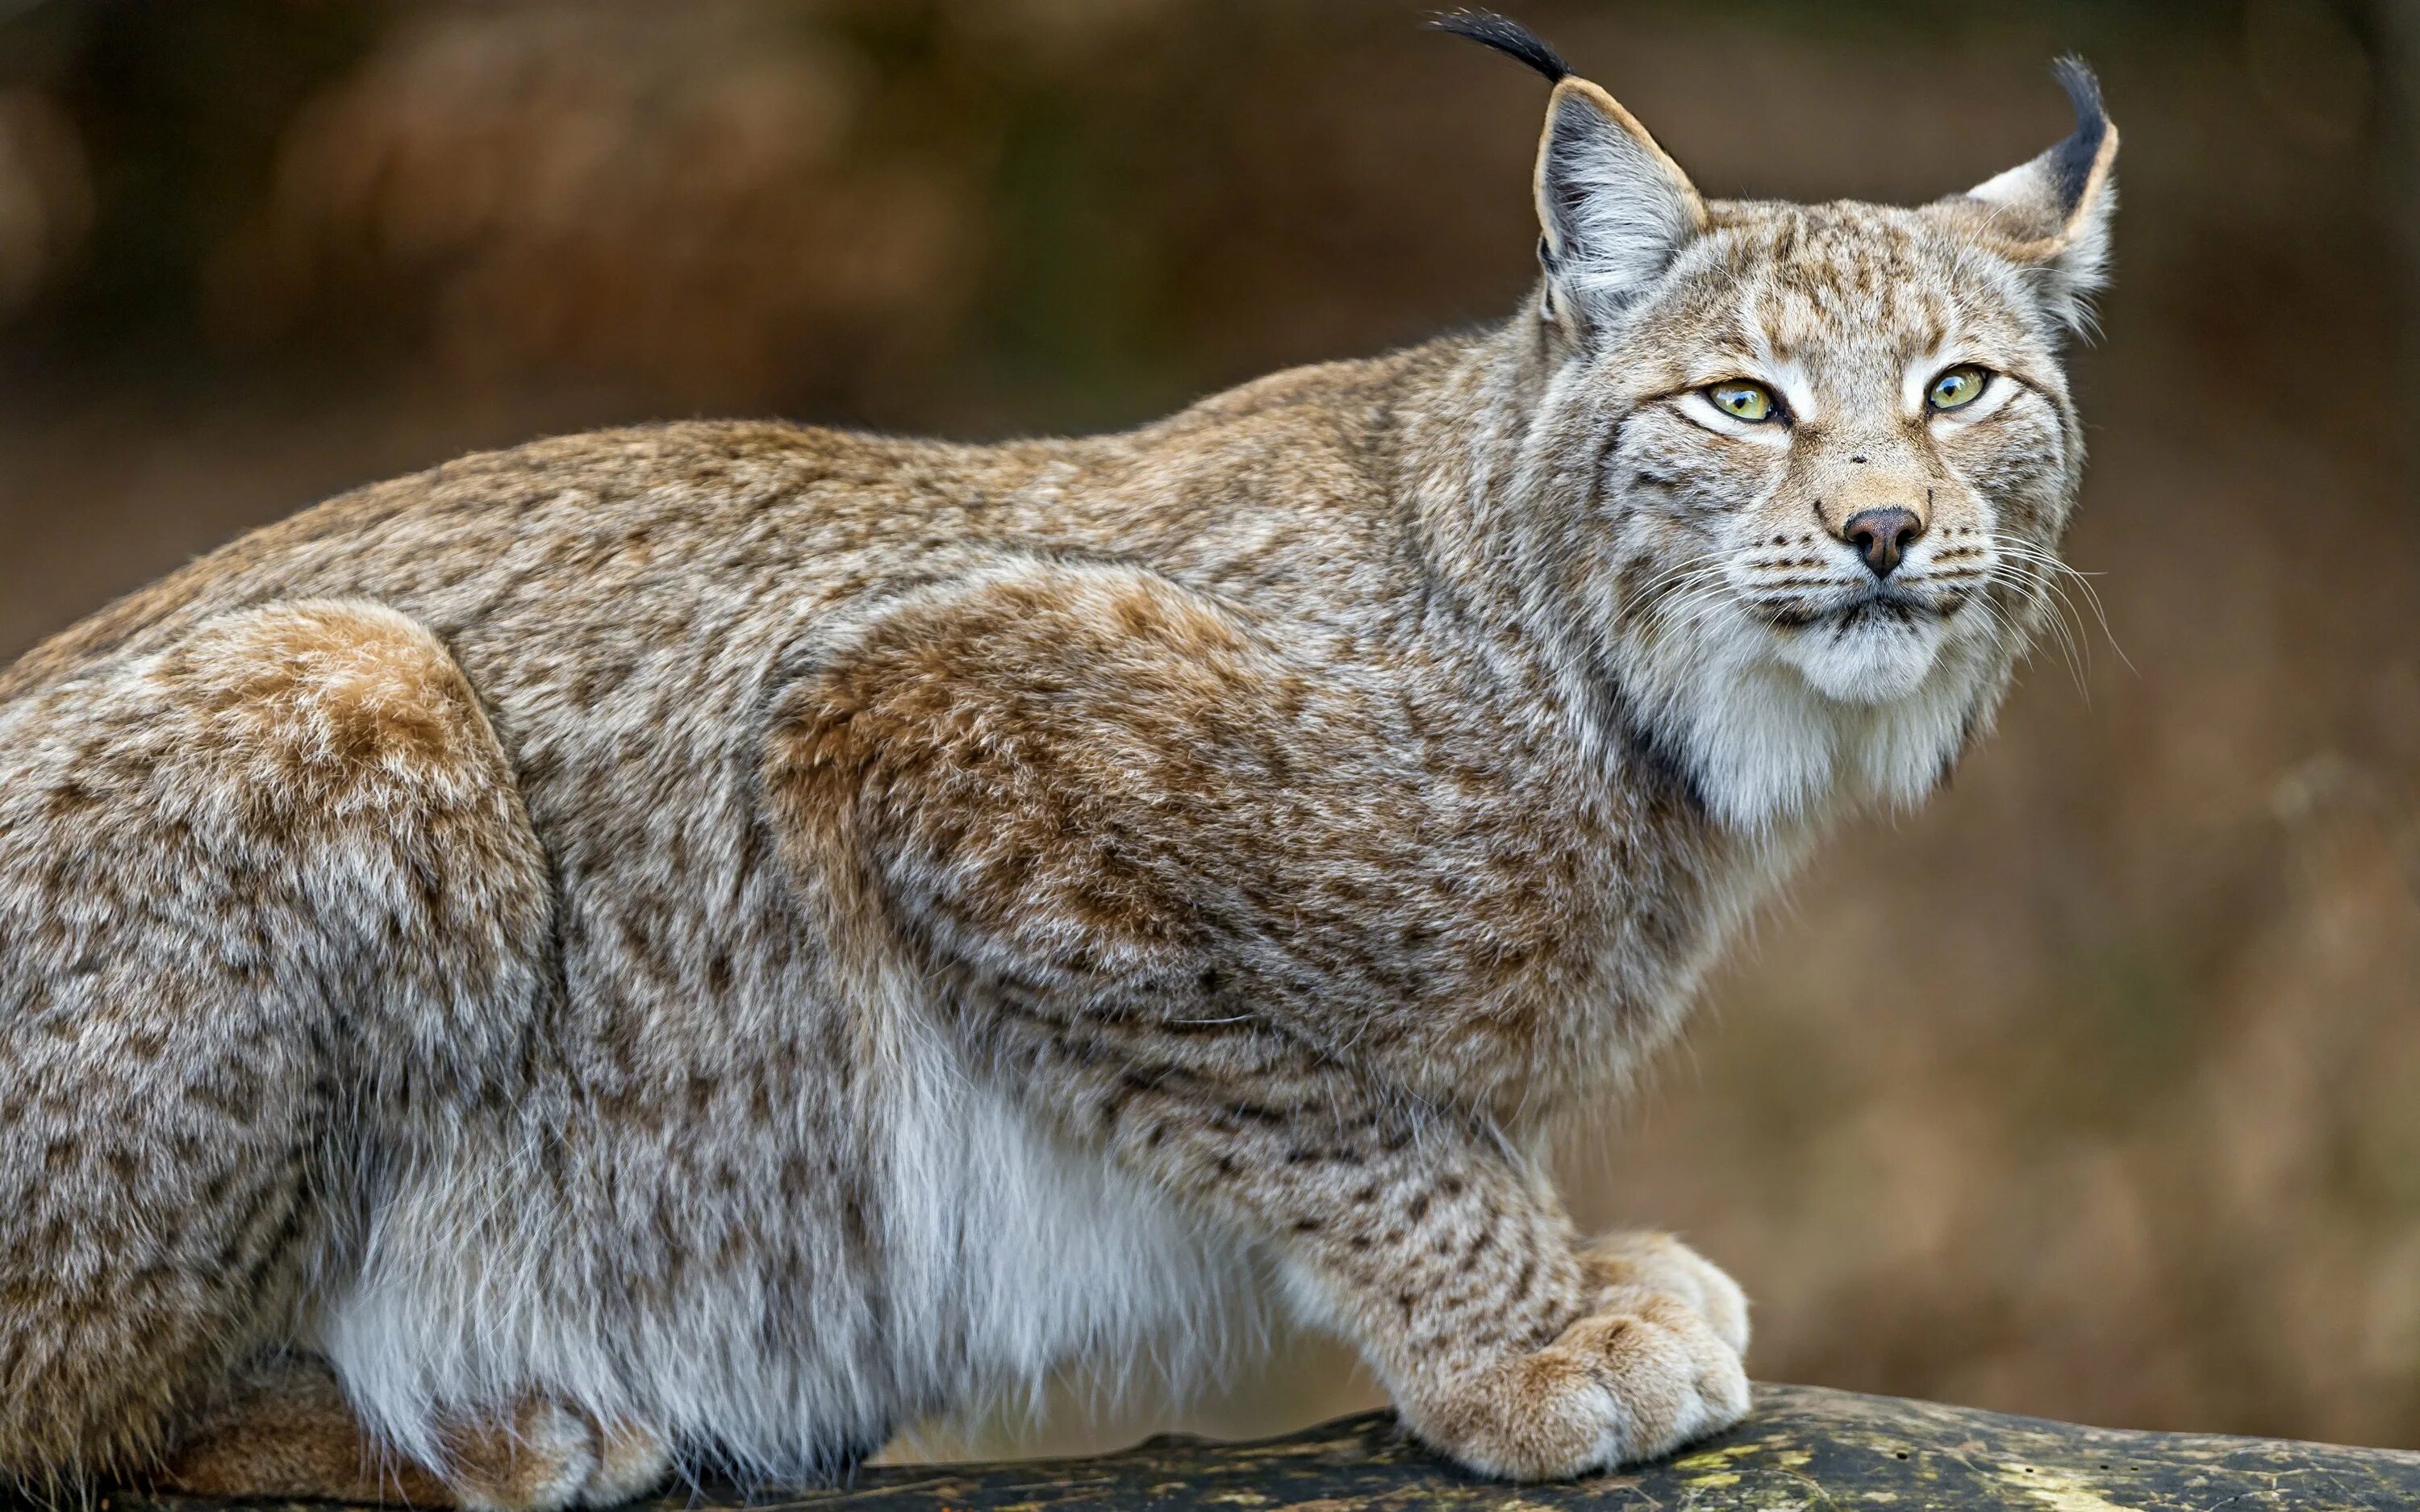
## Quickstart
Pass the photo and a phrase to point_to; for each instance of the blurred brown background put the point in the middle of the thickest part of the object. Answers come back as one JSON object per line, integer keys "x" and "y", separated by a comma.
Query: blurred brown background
{"x": 2094, "y": 1091}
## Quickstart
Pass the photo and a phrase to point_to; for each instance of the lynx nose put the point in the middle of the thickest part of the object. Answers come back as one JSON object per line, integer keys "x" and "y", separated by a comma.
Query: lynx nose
{"x": 1881, "y": 536}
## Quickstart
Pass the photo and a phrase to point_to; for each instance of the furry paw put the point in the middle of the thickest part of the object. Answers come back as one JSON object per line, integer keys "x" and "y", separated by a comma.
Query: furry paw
{"x": 536, "y": 1459}
{"x": 284, "y": 1430}
{"x": 1627, "y": 1265}
{"x": 1656, "y": 1367}
{"x": 631, "y": 1462}
{"x": 547, "y": 1457}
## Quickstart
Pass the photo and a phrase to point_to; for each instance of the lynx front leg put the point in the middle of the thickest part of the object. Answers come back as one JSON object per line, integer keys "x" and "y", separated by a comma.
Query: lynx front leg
{"x": 1446, "y": 1258}
{"x": 1193, "y": 895}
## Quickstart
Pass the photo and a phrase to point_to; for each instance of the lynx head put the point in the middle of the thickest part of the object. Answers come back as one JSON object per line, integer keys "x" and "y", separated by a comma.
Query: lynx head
{"x": 1813, "y": 461}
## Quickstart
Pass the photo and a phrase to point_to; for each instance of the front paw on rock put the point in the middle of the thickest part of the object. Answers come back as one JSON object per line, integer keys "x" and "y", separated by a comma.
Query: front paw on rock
{"x": 1626, "y": 1266}
{"x": 1615, "y": 1389}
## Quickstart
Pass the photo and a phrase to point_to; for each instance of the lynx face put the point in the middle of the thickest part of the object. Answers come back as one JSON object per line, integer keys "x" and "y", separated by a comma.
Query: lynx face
{"x": 1857, "y": 444}
{"x": 1830, "y": 448}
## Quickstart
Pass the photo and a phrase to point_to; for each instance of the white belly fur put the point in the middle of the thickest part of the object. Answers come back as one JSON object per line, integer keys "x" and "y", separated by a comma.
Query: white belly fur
{"x": 1011, "y": 1254}
{"x": 1045, "y": 1256}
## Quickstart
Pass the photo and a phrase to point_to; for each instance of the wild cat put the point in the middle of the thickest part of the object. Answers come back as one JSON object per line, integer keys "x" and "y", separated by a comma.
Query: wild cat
{"x": 710, "y": 943}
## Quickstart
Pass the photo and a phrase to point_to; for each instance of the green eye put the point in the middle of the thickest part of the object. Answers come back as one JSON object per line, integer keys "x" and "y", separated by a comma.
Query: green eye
{"x": 1742, "y": 400}
{"x": 1961, "y": 386}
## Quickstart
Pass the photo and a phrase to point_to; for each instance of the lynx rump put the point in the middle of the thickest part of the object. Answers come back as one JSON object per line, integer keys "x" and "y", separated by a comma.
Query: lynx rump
{"x": 710, "y": 943}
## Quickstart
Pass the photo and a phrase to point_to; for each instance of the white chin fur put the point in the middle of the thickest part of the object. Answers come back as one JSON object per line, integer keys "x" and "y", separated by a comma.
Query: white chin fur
{"x": 1874, "y": 661}
{"x": 1781, "y": 728}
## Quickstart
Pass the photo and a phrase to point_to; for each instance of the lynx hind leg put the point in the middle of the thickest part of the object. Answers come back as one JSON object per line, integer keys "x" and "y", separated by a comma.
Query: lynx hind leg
{"x": 286, "y": 1431}
{"x": 282, "y": 1428}
{"x": 242, "y": 881}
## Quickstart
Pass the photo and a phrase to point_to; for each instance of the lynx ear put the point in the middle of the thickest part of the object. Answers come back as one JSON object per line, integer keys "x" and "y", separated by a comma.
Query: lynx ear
{"x": 2053, "y": 214}
{"x": 1614, "y": 205}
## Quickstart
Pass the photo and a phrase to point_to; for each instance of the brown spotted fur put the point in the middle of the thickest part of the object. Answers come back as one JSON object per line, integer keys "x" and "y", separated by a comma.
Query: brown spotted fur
{"x": 719, "y": 939}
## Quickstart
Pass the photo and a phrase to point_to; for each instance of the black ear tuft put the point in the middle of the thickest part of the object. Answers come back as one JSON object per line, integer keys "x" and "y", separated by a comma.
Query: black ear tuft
{"x": 2072, "y": 160}
{"x": 1511, "y": 37}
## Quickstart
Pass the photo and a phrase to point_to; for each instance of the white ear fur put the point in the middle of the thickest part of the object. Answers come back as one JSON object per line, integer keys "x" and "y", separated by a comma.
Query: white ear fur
{"x": 2053, "y": 213}
{"x": 1614, "y": 206}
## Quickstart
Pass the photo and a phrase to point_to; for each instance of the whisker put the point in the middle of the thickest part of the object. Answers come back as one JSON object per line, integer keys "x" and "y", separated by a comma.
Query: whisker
{"x": 2029, "y": 551}
{"x": 2039, "y": 589}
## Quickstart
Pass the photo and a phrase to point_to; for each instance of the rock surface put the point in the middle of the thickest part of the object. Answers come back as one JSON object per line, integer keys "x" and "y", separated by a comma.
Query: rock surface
{"x": 1804, "y": 1448}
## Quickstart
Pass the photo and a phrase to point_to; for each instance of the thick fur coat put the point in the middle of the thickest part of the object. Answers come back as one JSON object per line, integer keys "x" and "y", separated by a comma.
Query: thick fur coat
{"x": 713, "y": 942}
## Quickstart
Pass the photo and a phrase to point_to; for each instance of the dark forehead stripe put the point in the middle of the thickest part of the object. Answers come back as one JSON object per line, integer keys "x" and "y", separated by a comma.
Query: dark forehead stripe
{"x": 1825, "y": 272}
{"x": 1827, "y": 253}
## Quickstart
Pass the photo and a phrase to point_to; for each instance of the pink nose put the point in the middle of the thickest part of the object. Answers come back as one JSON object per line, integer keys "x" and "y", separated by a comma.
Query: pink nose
{"x": 1881, "y": 536}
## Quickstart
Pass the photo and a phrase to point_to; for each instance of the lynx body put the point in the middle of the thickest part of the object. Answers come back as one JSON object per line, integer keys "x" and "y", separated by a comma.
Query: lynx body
{"x": 716, "y": 941}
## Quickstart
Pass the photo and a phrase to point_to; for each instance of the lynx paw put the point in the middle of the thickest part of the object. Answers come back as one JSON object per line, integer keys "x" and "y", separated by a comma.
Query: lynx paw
{"x": 548, "y": 1456}
{"x": 631, "y": 1462}
{"x": 1625, "y": 1265}
{"x": 284, "y": 1430}
{"x": 1648, "y": 1373}
{"x": 537, "y": 1460}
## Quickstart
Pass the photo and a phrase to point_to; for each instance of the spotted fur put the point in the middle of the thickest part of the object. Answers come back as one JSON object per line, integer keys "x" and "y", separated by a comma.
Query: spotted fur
{"x": 717, "y": 941}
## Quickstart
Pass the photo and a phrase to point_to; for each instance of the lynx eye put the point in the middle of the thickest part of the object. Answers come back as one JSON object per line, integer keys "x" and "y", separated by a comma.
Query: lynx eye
{"x": 1959, "y": 387}
{"x": 1742, "y": 400}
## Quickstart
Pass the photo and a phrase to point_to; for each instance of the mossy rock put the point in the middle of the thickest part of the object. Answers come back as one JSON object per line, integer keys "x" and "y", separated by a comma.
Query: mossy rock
{"x": 1804, "y": 1448}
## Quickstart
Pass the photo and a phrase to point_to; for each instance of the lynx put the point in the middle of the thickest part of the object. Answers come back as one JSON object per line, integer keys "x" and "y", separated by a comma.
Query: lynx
{"x": 699, "y": 945}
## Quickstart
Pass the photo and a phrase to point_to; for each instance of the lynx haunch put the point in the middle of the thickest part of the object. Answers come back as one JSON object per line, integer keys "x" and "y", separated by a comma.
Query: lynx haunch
{"x": 705, "y": 943}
